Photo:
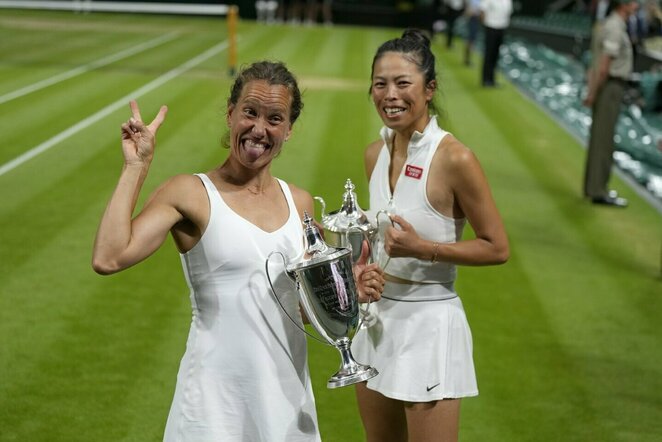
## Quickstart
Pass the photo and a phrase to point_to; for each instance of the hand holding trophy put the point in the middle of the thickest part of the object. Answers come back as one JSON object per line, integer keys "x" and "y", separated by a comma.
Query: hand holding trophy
{"x": 328, "y": 294}
{"x": 349, "y": 226}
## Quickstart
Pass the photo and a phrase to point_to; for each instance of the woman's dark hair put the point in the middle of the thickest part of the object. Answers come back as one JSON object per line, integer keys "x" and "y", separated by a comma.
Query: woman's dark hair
{"x": 274, "y": 73}
{"x": 414, "y": 44}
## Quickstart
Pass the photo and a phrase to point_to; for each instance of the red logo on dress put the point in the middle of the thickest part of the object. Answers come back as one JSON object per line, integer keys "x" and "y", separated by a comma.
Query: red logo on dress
{"x": 413, "y": 171}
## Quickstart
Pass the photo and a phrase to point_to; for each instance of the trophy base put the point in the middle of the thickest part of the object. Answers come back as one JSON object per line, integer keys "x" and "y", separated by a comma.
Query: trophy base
{"x": 351, "y": 372}
{"x": 359, "y": 374}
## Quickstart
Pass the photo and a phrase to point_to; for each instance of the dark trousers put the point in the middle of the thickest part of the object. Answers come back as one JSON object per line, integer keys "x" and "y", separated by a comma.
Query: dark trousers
{"x": 451, "y": 17}
{"x": 599, "y": 159}
{"x": 493, "y": 41}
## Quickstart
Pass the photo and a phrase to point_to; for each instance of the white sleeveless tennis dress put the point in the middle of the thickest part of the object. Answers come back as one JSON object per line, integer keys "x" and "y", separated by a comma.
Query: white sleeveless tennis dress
{"x": 244, "y": 375}
{"x": 421, "y": 342}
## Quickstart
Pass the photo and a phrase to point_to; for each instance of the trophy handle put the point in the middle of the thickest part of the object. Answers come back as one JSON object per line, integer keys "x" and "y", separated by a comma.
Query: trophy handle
{"x": 321, "y": 201}
{"x": 365, "y": 313}
{"x": 282, "y": 307}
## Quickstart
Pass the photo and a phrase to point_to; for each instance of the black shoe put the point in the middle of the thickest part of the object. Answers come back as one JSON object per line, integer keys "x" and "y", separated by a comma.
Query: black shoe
{"x": 610, "y": 200}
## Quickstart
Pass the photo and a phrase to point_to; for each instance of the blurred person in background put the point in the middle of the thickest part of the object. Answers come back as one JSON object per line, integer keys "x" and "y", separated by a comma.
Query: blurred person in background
{"x": 613, "y": 66}
{"x": 454, "y": 9}
{"x": 431, "y": 185}
{"x": 495, "y": 15}
{"x": 599, "y": 10}
{"x": 265, "y": 11}
{"x": 637, "y": 30}
{"x": 296, "y": 12}
{"x": 472, "y": 12}
{"x": 315, "y": 7}
{"x": 653, "y": 18}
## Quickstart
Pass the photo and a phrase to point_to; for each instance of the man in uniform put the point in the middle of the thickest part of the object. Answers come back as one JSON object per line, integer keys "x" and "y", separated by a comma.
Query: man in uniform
{"x": 606, "y": 88}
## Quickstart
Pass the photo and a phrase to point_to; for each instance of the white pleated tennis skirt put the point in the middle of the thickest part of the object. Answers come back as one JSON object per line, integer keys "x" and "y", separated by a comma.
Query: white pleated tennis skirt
{"x": 423, "y": 350}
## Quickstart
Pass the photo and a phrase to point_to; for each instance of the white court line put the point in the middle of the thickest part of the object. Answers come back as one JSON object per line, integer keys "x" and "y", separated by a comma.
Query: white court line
{"x": 86, "y": 68}
{"x": 112, "y": 107}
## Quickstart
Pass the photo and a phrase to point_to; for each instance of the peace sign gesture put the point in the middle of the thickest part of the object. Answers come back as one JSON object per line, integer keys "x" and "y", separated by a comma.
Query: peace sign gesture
{"x": 138, "y": 139}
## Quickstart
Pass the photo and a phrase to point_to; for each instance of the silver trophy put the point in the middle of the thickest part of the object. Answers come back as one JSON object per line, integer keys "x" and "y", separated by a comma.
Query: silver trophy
{"x": 349, "y": 226}
{"x": 325, "y": 283}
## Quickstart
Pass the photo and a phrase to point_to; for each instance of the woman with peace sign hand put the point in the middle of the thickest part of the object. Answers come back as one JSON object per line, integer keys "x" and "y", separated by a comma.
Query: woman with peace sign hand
{"x": 244, "y": 375}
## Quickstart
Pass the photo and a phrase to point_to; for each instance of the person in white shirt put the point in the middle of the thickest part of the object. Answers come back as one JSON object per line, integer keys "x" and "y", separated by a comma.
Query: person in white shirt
{"x": 496, "y": 19}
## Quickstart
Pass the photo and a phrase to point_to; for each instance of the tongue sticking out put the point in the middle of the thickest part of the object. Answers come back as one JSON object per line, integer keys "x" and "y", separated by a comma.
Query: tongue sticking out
{"x": 254, "y": 150}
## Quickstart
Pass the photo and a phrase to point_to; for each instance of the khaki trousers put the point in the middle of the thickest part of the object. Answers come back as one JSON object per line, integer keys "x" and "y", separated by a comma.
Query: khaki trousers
{"x": 599, "y": 158}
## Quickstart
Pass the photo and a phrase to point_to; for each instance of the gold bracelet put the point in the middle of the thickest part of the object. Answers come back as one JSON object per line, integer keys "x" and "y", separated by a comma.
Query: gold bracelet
{"x": 434, "y": 254}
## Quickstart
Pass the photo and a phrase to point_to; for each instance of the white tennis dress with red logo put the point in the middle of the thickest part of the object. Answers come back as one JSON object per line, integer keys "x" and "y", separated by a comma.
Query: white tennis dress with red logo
{"x": 421, "y": 342}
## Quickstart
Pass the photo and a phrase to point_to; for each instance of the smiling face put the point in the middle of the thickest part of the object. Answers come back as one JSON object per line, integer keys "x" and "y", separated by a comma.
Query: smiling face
{"x": 400, "y": 93}
{"x": 259, "y": 123}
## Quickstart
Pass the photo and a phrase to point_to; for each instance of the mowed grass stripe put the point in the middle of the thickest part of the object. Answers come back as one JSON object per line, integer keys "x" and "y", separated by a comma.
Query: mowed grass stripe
{"x": 518, "y": 360}
{"x": 556, "y": 352}
{"x": 96, "y": 359}
{"x": 142, "y": 89}
{"x": 52, "y": 414}
{"x": 134, "y": 49}
{"x": 273, "y": 43}
{"x": 351, "y": 125}
{"x": 358, "y": 52}
{"x": 104, "y": 139}
{"x": 33, "y": 53}
{"x": 47, "y": 337}
{"x": 591, "y": 280}
{"x": 501, "y": 302}
{"x": 333, "y": 45}
{"x": 118, "y": 78}
{"x": 102, "y": 291}
{"x": 41, "y": 217}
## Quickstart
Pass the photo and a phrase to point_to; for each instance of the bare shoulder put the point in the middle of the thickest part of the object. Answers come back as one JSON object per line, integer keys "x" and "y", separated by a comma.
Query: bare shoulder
{"x": 180, "y": 191}
{"x": 374, "y": 147}
{"x": 453, "y": 153}
{"x": 186, "y": 180}
{"x": 453, "y": 157}
{"x": 298, "y": 193}
{"x": 456, "y": 162}
{"x": 182, "y": 184}
{"x": 371, "y": 154}
{"x": 302, "y": 199}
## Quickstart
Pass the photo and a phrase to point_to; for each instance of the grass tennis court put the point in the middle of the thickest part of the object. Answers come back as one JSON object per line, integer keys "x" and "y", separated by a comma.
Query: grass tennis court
{"x": 567, "y": 335}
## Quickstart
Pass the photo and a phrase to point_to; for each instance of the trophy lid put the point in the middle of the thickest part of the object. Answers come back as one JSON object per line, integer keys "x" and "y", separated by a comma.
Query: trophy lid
{"x": 317, "y": 251}
{"x": 349, "y": 215}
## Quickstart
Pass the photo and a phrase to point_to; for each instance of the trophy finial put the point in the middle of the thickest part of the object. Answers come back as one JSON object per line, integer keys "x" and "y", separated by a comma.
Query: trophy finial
{"x": 307, "y": 220}
{"x": 315, "y": 243}
{"x": 349, "y": 206}
{"x": 349, "y": 186}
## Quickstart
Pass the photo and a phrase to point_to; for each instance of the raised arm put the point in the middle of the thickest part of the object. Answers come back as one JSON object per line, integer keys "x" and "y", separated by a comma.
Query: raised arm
{"x": 122, "y": 241}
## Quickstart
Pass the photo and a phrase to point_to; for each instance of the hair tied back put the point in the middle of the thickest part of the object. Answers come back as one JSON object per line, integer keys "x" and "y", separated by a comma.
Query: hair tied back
{"x": 418, "y": 36}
